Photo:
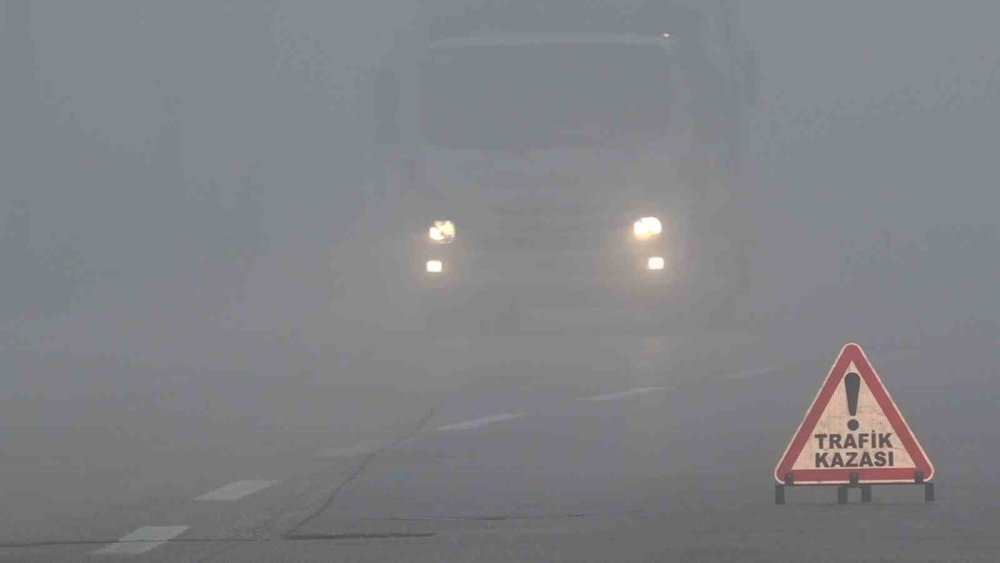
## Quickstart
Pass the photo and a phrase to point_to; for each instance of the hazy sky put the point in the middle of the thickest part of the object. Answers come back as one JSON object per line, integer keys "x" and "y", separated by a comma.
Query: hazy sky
{"x": 872, "y": 148}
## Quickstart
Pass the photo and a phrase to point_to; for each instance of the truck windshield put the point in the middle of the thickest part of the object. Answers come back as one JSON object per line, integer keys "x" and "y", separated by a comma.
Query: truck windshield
{"x": 548, "y": 95}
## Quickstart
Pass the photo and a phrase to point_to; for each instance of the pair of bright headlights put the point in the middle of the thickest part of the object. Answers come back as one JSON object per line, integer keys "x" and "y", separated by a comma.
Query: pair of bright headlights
{"x": 443, "y": 232}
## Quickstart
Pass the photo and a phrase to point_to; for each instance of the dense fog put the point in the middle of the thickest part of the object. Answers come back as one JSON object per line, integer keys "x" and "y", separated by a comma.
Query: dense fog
{"x": 196, "y": 167}
{"x": 213, "y": 272}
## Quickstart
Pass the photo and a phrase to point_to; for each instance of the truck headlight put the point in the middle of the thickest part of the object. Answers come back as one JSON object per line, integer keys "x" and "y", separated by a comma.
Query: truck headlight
{"x": 647, "y": 227}
{"x": 442, "y": 232}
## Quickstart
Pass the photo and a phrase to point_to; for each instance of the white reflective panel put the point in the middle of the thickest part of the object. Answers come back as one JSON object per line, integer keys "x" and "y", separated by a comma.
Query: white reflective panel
{"x": 435, "y": 266}
{"x": 655, "y": 263}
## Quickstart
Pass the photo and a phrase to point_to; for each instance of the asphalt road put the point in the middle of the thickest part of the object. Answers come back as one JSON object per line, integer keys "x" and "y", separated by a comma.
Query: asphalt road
{"x": 552, "y": 447}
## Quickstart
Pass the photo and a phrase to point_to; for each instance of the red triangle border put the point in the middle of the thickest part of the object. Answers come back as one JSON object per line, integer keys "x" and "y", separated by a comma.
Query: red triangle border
{"x": 852, "y": 352}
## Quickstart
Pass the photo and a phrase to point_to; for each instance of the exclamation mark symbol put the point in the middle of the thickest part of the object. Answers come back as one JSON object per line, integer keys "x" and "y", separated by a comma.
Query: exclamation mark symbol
{"x": 852, "y": 384}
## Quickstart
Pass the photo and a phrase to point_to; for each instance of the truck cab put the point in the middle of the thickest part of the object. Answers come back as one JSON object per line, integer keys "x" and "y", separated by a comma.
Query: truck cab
{"x": 563, "y": 162}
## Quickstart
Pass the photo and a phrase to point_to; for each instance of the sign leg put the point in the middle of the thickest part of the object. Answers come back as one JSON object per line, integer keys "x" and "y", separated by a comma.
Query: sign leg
{"x": 866, "y": 493}
{"x": 928, "y": 492}
{"x": 779, "y": 494}
{"x": 842, "y": 494}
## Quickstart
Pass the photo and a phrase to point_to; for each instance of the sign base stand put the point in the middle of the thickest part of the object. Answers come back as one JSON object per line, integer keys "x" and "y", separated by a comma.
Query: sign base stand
{"x": 866, "y": 489}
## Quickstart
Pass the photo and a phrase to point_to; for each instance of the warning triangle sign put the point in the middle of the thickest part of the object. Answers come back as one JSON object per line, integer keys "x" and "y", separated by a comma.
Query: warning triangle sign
{"x": 853, "y": 426}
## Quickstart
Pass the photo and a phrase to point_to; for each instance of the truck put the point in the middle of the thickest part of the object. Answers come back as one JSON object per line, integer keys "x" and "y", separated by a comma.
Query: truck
{"x": 560, "y": 163}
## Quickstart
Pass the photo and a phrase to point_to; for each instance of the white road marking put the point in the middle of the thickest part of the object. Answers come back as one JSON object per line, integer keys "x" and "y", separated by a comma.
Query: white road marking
{"x": 361, "y": 448}
{"x": 142, "y": 540}
{"x": 237, "y": 490}
{"x": 469, "y": 424}
{"x": 750, "y": 373}
{"x": 621, "y": 394}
